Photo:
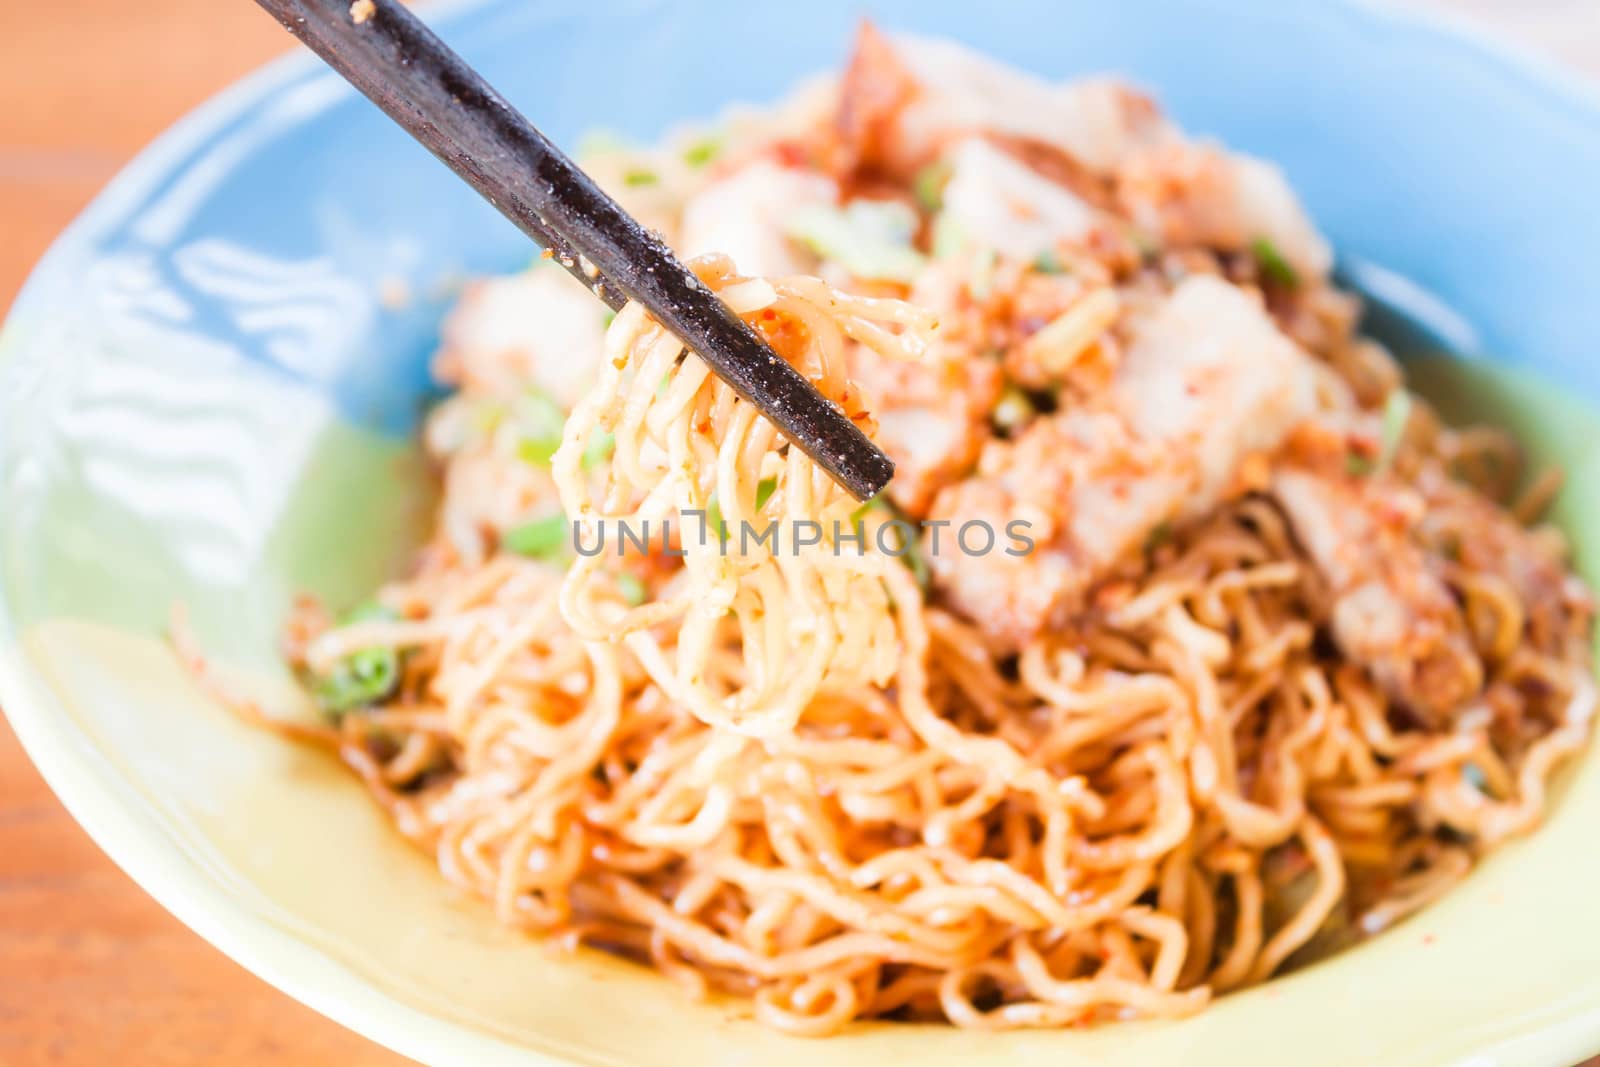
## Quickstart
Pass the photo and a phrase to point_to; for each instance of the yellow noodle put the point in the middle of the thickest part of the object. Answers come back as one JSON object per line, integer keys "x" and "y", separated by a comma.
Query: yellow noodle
{"x": 786, "y": 776}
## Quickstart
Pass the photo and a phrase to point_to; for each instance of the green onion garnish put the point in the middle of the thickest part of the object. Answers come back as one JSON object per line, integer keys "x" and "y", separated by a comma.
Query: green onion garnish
{"x": 764, "y": 492}
{"x": 537, "y": 452}
{"x": 1048, "y": 262}
{"x": 361, "y": 678}
{"x": 983, "y": 265}
{"x": 544, "y": 538}
{"x": 1273, "y": 265}
{"x": 948, "y": 236}
{"x": 912, "y": 556}
{"x": 919, "y": 566}
{"x": 703, "y": 151}
{"x": 1012, "y": 409}
{"x": 598, "y": 450}
{"x": 640, "y": 176}
{"x": 540, "y": 420}
{"x": 487, "y": 417}
{"x": 1144, "y": 243}
{"x": 632, "y": 588}
{"x": 713, "y": 520}
{"x": 929, "y": 183}
{"x": 870, "y": 505}
{"x": 1396, "y": 416}
{"x": 869, "y": 238}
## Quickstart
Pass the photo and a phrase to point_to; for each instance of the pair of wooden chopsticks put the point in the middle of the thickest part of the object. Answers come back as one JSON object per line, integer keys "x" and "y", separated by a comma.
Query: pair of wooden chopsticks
{"x": 385, "y": 51}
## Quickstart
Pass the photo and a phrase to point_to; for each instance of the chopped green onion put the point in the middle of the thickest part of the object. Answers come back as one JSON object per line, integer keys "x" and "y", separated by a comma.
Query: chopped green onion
{"x": 1144, "y": 243}
{"x": 1159, "y": 535}
{"x": 912, "y": 557}
{"x": 713, "y": 520}
{"x": 544, "y": 538}
{"x": 1048, "y": 262}
{"x": 703, "y": 151}
{"x": 598, "y": 450}
{"x": 363, "y": 677}
{"x": 918, "y": 565}
{"x": 948, "y": 237}
{"x": 982, "y": 281}
{"x": 764, "y": 492}
{"x": 537, "y": 452}
{"x": 1396, "y": 417}
{"x": 487, "y": 416}
{"x": 929, "y": 183}
{"x": 1357, "y": 464}
{"x": 1475, "y": 777}
{"x": 358, "y": 680}
{"x": 1273, "y": 265}
{"x": 868, "y": 505}
{"x": 869, "y": 238}
{"x": 540, "y": 420}
{"x": 632, "y": 588}
{"x": 640, "y": 176}
{"x": 608, "y": 318}
{"x": 368, "y": 611}
{"x": 1013, "y": 409}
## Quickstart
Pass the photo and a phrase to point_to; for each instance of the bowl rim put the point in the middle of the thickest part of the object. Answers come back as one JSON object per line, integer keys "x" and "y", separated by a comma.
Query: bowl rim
{"x": 116, "y": 819}
{"x": 129, "y": 831}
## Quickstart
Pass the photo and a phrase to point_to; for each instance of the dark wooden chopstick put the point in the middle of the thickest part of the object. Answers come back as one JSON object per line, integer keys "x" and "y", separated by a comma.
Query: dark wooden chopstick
{"x": 385, "y": 51}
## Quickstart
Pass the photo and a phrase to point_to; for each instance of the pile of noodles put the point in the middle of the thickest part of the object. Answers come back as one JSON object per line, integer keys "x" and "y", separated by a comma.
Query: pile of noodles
{"x": 789, "y": 776}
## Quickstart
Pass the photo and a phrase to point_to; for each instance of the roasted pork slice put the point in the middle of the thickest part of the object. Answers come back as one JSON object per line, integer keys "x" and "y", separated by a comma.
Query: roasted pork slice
{"x": 1208, "y": 387}
{"x": 1389, "y": 610}
{"x": 996, "y": 201}
{"x": 932, "y": 416}
{"x": 908, "y": 101}
{"x": 540, "y": 327}
{"x": 1210, "y": 377}
{"x": 903, "y": 99}
{"x": 1482, "y": 538}
{"x": 1195, "y": 194}
{"x": 746, "y": 215}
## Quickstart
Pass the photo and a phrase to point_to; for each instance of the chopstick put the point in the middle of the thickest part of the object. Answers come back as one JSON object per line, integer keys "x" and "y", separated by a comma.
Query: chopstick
{"x": 397, "y": 62}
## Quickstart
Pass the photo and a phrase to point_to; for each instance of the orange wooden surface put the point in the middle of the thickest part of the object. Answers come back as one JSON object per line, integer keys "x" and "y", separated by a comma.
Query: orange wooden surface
{"x": 92, "y": 971}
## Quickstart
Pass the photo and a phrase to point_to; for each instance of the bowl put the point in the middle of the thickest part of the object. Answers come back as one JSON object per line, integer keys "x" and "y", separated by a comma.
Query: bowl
{"x": 207, "y": 395}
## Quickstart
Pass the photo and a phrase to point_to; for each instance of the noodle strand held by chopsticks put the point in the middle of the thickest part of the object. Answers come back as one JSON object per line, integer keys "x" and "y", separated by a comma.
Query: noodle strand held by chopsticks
{"x": 687, "y": 447}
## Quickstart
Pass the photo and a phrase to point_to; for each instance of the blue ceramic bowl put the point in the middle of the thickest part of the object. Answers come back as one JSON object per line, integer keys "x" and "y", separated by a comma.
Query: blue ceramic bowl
{"x": 205, "y": 398}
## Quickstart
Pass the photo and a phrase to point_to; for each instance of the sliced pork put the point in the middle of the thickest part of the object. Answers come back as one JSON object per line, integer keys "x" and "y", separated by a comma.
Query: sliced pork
{"x": 1208, "y": 384}
{"x": 1390, "y": 610}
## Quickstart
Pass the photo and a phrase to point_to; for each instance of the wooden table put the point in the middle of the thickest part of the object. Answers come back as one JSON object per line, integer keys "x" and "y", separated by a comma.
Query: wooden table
{"x": 92, "y": 971}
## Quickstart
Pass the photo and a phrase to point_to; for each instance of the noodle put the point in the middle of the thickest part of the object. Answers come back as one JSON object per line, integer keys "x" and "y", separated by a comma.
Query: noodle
{"x": 805, "y": 621}
{"x": 802, "y": 775}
